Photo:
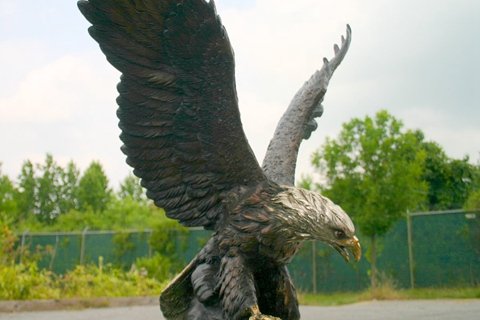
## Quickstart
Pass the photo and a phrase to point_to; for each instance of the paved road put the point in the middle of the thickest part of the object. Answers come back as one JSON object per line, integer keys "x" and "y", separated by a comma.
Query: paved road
{"x": 374, "y": 310}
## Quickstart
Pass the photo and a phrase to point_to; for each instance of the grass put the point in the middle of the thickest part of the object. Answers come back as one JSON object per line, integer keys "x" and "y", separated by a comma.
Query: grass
{"x": 330, "y": 299}
{"x": 387, "y": 290}
{"x": 444, "y": 293}
{"x": 388, "y": 293}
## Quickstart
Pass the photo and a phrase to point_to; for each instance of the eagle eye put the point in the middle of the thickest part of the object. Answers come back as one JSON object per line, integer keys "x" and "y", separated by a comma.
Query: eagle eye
{"x": 339, "y": 234}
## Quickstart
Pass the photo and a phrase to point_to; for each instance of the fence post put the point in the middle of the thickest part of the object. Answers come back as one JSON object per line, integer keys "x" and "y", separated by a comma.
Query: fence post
{"x": 54, "y": 254}
{"x": 314, "y": 266}
{"x": 82, "y": 245}
{"x": 411, "y": 262}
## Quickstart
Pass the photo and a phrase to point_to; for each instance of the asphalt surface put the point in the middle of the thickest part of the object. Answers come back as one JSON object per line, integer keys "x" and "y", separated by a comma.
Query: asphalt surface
{"x": 373, "y": 310}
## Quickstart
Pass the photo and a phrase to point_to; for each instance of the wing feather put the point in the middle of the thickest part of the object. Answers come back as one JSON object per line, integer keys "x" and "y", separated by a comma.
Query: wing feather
{"x": 178, "y": 109}
{"x": 297, "y": 123}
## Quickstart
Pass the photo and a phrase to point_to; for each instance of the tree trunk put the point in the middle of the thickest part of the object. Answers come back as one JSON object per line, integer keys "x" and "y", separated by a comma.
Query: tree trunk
{"x": 373, "y": 261}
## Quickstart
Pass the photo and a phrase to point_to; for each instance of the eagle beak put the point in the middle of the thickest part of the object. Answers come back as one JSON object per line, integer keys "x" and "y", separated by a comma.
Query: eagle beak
{"x": 351, "y": 244}
{"x": 356, "y": 248}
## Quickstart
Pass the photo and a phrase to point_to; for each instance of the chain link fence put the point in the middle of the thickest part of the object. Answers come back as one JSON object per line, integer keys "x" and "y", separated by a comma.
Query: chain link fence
{"x": 430, "y": 249}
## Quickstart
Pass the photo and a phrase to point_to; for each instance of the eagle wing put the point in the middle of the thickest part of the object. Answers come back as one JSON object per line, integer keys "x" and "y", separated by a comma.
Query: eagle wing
{"x": 178, "y": 107}
{"x": 297, "y": 123}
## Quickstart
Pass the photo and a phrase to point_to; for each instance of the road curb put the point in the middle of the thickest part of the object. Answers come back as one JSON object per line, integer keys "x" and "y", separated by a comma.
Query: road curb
{"x": 75, "y": 303}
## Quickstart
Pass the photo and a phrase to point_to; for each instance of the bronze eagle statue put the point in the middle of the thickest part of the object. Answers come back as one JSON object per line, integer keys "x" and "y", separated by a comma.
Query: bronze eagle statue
{"x": 182, "y": 134}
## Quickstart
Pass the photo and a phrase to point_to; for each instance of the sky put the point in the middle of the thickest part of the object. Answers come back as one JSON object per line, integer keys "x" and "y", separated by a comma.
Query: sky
{"x": 418, "y": 59}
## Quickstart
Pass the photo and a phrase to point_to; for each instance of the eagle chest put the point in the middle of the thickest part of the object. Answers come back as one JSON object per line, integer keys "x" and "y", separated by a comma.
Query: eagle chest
{"x": 278, "y": 249}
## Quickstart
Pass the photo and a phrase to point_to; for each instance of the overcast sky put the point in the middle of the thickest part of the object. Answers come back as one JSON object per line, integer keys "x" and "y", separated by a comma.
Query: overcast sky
{"x": 417, "y": 59}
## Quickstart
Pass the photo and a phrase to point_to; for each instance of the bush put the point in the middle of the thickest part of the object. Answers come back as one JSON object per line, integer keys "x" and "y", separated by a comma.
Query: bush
{"x": 473, "y": 201}
{"x": 25, "y": 281}
{"x": 98, "y": 281}
{"x": 169, "y": 239}
{"x": 158, "y": 267}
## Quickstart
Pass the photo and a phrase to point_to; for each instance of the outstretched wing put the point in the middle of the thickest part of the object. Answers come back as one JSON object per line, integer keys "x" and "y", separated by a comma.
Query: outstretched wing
{"x": 178, "y": 109}
{"x": 298, "y": 123}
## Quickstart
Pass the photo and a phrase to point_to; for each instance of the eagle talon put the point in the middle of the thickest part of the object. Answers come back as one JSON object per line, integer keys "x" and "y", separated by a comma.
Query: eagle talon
{"x": 256, "y": 315}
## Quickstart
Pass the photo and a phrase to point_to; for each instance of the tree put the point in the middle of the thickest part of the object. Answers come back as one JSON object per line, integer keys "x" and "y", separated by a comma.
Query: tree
{"x": 373, "y": 170}
{"x": 130, "y": 187}
{"x": 93, "y": 191}
{"x": 8, "y": 202}
{"x": 49, "y": 195}
{"x": 27, "y": 186}
{"x": 69, "y": 188}
{"x": 450, "y": 180}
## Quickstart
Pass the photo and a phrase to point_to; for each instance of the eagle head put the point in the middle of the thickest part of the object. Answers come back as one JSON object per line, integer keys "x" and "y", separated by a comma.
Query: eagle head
{"x": 311, "y": 216}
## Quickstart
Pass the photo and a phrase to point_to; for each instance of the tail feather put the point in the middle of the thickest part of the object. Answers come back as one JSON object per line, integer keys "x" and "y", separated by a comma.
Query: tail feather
{"x": 176, "y": 298}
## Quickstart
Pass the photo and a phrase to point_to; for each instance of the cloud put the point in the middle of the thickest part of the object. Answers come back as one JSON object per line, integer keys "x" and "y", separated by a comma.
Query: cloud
{"x": 407, "y": 57}
{"x": 438, "y": 126}
{"x": 7, "y": 8}
{"x": 55, "y": 92}
{"x": 277, "y": 48}
{"x": 67, "y": 108}
{"x": 416, "y": 59}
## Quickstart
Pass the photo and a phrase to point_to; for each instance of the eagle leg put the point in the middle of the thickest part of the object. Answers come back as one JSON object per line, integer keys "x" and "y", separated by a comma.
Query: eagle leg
{"x": 276, "y": 293}
{"x": 237, "y": 291}
{"x": 203, "y": 283}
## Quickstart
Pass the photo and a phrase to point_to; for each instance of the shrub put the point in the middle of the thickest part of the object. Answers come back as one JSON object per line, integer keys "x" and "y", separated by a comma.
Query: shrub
{"x": 158, "y": 267}
{"x": 25, "y": 281}
{"x": 98, "y": 281}
{"x": 169, "y": 239}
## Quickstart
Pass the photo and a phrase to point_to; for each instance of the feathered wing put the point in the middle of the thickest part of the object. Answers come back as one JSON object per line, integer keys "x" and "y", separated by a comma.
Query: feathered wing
{"x": 178, "y": 109}
{"x": 297, "y": 123}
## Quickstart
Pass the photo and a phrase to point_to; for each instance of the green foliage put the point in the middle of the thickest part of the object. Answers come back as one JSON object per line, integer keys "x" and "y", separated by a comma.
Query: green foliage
{"x": 158, "y": 266}
{"x": 93, "y": 190}
{"x": 161, "y": 242}
{"x": 46, "y": 190}
{"x": 165, "y": 231}
{"x": 128, "y": 213}
{"x": 450, "y": 180}
{"x": 68, "y": 188}
{"x": 27, "y": 187}
{"x": 473, "y": 201}
{"x": 8, "y": 204}
{"x": 20, "y": 281}
{"x": 25, "y": 282}
{"x": 373, "y": 171}
{"x": 7, "y": 245}
{"x": 473, "y": 232}
{"x": 377, "y": 171}
{"x": 92, "y": 281}
{"x": 120, "y": 214}
{"x": 123, "y": 246}
{"x": 131, "y": 188}
{"x": 48, "y": 196}
{"x": 167, "y": 241}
